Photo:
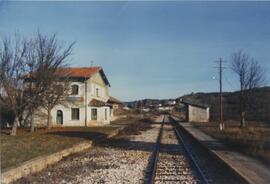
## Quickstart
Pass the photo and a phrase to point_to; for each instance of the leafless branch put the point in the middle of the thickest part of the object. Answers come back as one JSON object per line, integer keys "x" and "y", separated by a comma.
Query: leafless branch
{"x": 250, "y": 75}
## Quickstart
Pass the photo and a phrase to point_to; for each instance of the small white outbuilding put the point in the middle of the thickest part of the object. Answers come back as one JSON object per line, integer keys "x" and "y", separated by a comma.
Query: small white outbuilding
{"x": 196, "y": 112}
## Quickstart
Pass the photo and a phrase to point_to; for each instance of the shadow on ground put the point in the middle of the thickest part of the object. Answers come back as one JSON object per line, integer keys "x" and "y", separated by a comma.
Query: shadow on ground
{"x": 80, "y": 134}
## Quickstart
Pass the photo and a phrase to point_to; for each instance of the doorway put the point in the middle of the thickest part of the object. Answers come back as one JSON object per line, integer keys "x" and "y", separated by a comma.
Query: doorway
{"x": 59, "y": 117}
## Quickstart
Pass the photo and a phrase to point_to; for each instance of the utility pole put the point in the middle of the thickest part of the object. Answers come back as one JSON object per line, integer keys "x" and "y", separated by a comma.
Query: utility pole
{"x": 221, "y": 123}
{"x": 141, "y": 101}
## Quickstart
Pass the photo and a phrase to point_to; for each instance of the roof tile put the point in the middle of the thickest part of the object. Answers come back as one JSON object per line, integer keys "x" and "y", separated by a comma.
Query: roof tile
{"x": 82, "y": 71}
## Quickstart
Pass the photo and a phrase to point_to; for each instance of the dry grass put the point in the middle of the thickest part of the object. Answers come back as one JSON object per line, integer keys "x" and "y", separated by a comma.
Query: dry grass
{"x": 125, "y": 121}
{"x": 136, "y": 127}
{"x": 253, "y": 140}
{"x": 26, "y": 145}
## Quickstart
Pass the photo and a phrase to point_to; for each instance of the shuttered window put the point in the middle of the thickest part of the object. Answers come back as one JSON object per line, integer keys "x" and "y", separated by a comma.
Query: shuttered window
{"x": 74, "y": 89}
{"x": 94, "y": 114}
{"x": 75, "y": 113}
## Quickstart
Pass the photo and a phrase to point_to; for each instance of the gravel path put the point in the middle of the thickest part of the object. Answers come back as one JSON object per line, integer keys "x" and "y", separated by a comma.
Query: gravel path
{"x": 115, "y": 161}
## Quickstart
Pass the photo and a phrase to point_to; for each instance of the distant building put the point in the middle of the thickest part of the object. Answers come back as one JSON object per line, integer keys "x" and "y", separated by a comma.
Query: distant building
{"x": 166, "y": 108}
{"x": 116, "y": 107}
{"x": 196, "y": 112}
{"x": 171, "y": 102}
{"x": 116, "y": 104}
{"x": 146, "y": 109}
{"x": 127, "y": 108}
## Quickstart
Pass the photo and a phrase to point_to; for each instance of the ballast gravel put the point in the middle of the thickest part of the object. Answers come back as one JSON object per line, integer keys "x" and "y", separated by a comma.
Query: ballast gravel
{"x": 115, "y": 161}
{"x": 120, "y": 160}
{"x": 173, "y": 166}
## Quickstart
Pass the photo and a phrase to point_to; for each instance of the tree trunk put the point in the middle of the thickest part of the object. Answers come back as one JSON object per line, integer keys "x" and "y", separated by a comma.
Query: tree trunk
{"x": 20, "y": 121}
{"x": 49, "y": 119}
{"x": 243, "y": 121}
{"x": 14, "y": 127}
{"x": 32, "y": 122}
{"x": 242, "y": 110}
{"x": 25, "y": 119}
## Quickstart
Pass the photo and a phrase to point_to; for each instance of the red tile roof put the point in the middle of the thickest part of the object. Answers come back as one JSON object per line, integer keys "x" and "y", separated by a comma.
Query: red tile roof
{"x": 98, "y": 103}
{"x": 76, "y": 71}
{"x": 81, "y": 71}
{"x": 85, "y": 72}
{"x": 114, "y": 100}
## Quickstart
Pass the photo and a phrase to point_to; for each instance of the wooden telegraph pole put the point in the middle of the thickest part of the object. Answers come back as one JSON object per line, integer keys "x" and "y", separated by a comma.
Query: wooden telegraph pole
{"x": 221, "y": 123}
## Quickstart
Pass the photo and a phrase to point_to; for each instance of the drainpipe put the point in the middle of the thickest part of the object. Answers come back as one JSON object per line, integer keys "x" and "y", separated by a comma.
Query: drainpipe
{"x": 85, "y": 115}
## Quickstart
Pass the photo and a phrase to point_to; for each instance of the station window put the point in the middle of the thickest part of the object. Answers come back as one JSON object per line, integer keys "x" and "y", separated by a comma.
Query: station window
{"x": 97, "y": 92}
{"x": 74, "y": 89}
{"x": 75, "y": 113}
{"x": 94, "y": 114}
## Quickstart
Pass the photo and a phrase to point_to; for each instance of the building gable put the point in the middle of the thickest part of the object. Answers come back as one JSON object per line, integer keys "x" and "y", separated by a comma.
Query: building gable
{"x": 97, "y": 79}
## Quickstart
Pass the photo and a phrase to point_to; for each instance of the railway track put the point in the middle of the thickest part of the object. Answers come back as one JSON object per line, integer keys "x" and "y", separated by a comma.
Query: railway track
{"x": 179, "y": 158}
{"x": 171, "y": 161}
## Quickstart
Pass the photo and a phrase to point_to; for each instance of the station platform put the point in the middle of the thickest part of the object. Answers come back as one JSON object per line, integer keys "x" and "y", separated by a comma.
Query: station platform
{"x": 252, "y": 170}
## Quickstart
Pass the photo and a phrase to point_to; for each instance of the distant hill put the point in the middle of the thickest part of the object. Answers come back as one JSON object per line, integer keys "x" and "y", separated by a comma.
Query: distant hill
{"x": 147, "y": 102}
{"x": 259, "y": 109}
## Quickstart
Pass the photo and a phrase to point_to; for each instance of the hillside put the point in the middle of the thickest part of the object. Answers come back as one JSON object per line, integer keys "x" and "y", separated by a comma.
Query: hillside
{"x": 258, "y": 110}
{"x": 147, "y": 102}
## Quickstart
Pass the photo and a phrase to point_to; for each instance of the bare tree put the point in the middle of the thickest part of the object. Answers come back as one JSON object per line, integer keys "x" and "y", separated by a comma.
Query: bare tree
{"x": 250, "y": 75}
{"x": 256, "y": 75}
{"x": 12, "y": 70}
{"x": 29, "y": 71}
{"x": 49, "y": 79}
{"x": 56, "y": 94}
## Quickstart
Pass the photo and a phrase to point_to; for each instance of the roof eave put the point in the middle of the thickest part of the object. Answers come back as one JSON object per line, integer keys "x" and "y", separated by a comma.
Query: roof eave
{"x": 104, "y": 77}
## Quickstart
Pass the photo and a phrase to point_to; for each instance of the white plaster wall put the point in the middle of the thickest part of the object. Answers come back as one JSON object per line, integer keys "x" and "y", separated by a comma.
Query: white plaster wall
{"x": 103, "y": 95}
{"x": 40, "y": 117}
{"x": 96, "y": 82}
{"x": 67, "y": 121}
{"x": 101, "y": 115}
{"x": 197, "y": 114}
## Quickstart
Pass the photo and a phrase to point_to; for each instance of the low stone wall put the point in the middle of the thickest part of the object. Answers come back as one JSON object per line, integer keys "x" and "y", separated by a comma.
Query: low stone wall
{"x": 39, "y": 163}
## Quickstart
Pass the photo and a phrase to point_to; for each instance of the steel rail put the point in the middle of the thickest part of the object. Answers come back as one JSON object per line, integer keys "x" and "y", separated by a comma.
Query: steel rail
{"x": 189, "y": 154}
{"x": 155, "y": 155}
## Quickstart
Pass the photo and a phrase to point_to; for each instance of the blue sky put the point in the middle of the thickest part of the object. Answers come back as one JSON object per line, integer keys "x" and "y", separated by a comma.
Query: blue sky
{"x": 150, "y": 49}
